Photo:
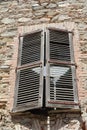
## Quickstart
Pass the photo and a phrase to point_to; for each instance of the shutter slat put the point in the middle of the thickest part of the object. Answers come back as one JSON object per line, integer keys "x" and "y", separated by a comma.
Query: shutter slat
{"x": 28, "y": 101}
{"x": 59, "y": 36}
{"x": 59, "y": 46}
{"x": 28, "y": 81}
{"x": 26, "y": 44}
{"x": 31, "y": 48}
{"x": 64, "y": 99}
{"x": 25, "y": 96}
{"x": 65, "y": 89}
{"x": 60, "y": 80}
{"x": 62, "y": 92}
{"x": 27, "y": 77}
{"x": 26, "y": 90}
{"x": 27, "y": 61}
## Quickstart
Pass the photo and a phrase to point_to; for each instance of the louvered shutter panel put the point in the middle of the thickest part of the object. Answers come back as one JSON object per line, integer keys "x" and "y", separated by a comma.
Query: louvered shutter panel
{"x": 29, "y": 84}
{"x": 60, "y": 80}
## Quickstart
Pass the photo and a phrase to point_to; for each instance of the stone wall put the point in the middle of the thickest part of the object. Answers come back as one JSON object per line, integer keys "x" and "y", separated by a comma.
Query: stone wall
{"x": 18, "y": 13}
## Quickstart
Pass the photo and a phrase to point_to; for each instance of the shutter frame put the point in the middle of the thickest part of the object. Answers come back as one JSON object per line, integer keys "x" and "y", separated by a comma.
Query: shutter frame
{"x": 47, "y": 67}
{"x": 20, "y": 50}
{"x": 24, "y": 107}
{"x": 59, "y": 104}
{"x": 71, "y": 47}
{"x": 75, "y": 90}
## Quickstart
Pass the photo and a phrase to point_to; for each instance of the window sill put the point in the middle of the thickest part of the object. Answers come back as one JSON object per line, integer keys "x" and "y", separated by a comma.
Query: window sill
{"x": 65, "y": 111}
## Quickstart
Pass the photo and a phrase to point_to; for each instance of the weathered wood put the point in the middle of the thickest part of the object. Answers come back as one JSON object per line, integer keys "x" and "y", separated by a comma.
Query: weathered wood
{"x": 31, "y": 65}
{"x": 64, "y": 111}
{"x": 60, "y": 62}
{"x": 22, "y": 35}
{"x": 66, "y": 103}
{"x": 62, "y": 30}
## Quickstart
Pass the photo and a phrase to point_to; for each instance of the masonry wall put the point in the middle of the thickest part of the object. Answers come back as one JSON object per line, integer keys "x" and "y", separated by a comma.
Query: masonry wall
{"x": 17, "y": 14}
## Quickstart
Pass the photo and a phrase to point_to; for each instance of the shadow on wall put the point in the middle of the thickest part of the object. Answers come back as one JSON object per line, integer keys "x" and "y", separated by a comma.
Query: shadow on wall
{"x": 64, "y": 121}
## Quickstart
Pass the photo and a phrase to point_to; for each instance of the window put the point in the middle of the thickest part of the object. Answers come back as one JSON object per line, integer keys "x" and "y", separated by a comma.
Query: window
{"x": 46, "y": 71}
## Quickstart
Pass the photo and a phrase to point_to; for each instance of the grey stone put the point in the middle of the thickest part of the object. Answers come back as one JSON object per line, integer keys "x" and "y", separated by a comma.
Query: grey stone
{"x": 4, "y": 3}
{"x": 44, "y": 4}
{"x": 85, "y": 36}
{"x": 63, "y": 4}
{"x": 63, "y": 17}
{"x": 3, "y": 85}
{"x": 24, "y": 19}
{"x": 5, "y": 128}
{"x": 44, "y": 20}
{"x": 4, "y": 67}
{"x": 84, "y": 10}
{"x": 85, "y": 87}
{"x": 41, "y": 20}
{"x": 16, "y": 16}
{"x": 84, "y": 48}
{"x": 34, "y": 2}
{"x": 30, "y": 14}
{"x": 51, "y": 13}
{"x": 82, "y": 25}
{"x": 52, "y": 5}
{"x": 7, "y": 20}
{"x": 2, "y": 10}
{"x": 37, "y": 7}
{"x": 40, "y": 14}
{"x": 43, "y": 11}
{"x": 8, "y": 34}
{"x": 55, "y": 18}
{"x": 2, "y": 43}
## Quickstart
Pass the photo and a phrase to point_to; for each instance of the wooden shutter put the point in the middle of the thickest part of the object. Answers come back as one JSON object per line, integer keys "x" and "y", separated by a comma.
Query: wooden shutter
{"x": 29, "y": 83}
{"x": 60, "y": 79}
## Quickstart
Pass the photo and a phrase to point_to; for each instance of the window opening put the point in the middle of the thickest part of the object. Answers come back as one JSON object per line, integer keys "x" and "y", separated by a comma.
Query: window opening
{"x": 45, "y": 72}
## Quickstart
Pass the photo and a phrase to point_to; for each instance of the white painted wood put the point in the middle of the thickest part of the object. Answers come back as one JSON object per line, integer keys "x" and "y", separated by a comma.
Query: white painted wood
{"x": 48, "y": 123}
